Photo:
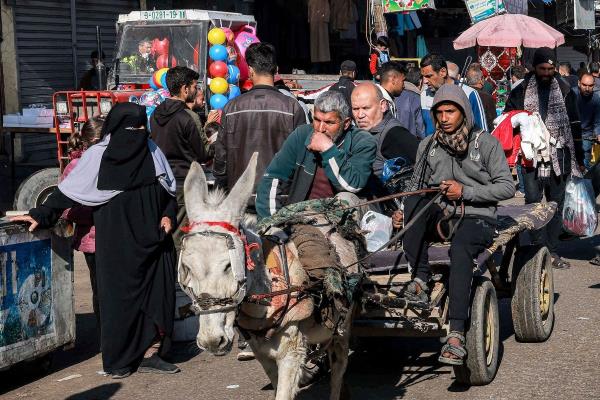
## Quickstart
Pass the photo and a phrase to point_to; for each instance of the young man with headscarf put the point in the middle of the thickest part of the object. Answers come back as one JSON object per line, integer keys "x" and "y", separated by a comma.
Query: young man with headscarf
{"x": 128, "y": 181}
{"x": 470, "y": 167}
{"x": 556, "y": 102}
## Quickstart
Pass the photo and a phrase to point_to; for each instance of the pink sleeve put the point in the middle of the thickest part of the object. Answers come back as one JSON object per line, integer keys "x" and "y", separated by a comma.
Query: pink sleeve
{"x": 69, "y": 168}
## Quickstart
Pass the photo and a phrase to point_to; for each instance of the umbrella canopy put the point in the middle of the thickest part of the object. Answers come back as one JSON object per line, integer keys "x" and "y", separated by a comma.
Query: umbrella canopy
{"x": 510, "y": 30}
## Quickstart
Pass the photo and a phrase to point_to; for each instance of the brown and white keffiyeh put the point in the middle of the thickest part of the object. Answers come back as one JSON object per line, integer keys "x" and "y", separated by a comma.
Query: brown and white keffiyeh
{"x": 557, "y": 122}
{"x": 455, "y": 144}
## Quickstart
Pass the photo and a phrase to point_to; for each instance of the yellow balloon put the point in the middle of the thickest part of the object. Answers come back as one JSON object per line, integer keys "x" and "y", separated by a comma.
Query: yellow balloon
{"x": 216, "y": 36}
{"x": 219, "y": 85}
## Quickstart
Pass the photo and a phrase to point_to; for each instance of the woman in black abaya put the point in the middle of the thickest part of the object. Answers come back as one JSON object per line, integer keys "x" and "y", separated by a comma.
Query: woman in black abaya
{"x": 128, "y": 181}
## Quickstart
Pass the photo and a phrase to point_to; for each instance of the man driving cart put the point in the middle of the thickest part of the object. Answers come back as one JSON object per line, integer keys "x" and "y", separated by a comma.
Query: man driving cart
{"x": 469, "y": 166}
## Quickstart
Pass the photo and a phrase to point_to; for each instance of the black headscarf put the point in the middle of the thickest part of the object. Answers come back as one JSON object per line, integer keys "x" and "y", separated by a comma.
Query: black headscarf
{"x": 127, "y": 162}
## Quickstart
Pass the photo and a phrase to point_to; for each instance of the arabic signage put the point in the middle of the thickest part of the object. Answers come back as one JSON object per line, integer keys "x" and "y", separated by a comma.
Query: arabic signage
{"x": 391, "y": 6}
{"x": 483, "y": 9}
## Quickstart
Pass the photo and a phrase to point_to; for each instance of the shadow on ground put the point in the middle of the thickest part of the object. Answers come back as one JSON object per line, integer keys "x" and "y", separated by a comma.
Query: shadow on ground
{"x": 102, "y": 392}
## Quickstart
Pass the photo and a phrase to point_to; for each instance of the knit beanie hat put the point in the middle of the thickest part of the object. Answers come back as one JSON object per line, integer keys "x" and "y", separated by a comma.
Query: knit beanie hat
{"x": 544, "y": 55}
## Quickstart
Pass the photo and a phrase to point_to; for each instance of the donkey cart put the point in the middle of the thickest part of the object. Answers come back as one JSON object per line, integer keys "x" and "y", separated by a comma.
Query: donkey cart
{"x": 510, "y": 268}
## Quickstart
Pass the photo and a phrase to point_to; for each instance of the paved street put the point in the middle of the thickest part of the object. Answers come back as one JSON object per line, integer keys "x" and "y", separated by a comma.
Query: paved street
{"x": 565, "y": 367}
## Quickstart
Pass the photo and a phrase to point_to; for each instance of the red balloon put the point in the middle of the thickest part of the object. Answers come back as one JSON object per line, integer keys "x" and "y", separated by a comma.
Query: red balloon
{"x": 218, "y": 69}
{"x": 160, "y": 47}
{"x": 161, "y": 62}
{"x": 247, "y": 85}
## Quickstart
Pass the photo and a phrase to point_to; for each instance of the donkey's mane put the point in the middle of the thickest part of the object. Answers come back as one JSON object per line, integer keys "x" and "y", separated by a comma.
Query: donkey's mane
{"x": 215, "y": 198}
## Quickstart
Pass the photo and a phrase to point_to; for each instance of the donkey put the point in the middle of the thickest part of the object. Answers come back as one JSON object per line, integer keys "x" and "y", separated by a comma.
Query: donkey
{"x": 212, "y": 268}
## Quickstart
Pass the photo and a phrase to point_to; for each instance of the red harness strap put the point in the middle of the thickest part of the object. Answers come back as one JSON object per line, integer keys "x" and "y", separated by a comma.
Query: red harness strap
{"x": 248, "y": 248}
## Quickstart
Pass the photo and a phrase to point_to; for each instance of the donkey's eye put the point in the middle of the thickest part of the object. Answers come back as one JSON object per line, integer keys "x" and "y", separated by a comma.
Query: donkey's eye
{"x": 227, "y": 267}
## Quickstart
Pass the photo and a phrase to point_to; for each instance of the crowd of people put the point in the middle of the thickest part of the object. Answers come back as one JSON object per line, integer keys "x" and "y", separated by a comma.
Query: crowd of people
{"x": 124, "y": 186}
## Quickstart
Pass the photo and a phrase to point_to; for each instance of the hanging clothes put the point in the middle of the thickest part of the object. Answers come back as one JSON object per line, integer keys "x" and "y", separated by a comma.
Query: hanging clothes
{"x": 421, "y": 47}
{"x": 318, "y": 18}
{"x": 341, "y": 14}
{"x": 351, "y": 33}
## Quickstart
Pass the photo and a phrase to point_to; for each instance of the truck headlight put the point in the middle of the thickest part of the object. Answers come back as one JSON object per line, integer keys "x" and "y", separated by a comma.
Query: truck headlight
{"x": 105, "y": 106}
{"x": 62, "y": 107}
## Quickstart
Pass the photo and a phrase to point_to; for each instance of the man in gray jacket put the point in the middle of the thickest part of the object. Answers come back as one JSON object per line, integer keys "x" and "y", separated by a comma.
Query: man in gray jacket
{"x": 470, "y": 167}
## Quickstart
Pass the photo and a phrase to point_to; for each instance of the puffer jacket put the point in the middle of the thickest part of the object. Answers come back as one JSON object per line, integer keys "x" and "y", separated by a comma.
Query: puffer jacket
{"x": 258, "y": 120}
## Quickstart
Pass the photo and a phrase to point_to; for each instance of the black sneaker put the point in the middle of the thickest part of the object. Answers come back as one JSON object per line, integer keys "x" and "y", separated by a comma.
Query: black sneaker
{"x": 121, "y": 373}
{"x": 156, "y": 365}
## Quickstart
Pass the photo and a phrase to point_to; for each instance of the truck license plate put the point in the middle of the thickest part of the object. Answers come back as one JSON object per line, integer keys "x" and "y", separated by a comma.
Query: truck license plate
{"x": 157, "y": 15}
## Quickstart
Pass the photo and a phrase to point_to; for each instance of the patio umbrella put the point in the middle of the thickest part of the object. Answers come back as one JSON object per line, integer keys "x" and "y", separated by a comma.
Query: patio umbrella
{"x": 510, "y": 30}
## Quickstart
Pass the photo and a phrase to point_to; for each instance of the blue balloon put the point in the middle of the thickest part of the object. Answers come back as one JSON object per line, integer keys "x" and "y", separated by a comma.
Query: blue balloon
{"x": 218, "y": 52}
{"x": 163, "y": 81}
{"x": 152, "y": 84}
{"x": 218, "y": 101}
{"x": 234, "y": 92}
{"x": 233, "y": 74}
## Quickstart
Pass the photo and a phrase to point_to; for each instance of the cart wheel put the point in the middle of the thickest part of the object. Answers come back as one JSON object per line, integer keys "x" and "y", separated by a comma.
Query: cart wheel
{"x": 36, "y": 188}
{"x": 482, "y": 337}
{"x": 533, "y": 299}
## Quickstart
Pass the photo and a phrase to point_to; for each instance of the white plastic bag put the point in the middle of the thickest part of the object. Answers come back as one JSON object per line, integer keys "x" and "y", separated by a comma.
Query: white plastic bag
{"x": 379, "y": 229}
{"x": 579, "y": 211}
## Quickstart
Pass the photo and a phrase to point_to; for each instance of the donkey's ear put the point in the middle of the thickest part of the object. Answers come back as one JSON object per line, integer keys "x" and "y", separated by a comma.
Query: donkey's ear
{"x": 195, "y": 190}
{"x": 242, "y": 190}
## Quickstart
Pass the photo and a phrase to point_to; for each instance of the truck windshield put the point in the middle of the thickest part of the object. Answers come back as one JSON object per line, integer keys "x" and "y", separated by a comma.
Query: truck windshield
{"x": 146, "y": 48}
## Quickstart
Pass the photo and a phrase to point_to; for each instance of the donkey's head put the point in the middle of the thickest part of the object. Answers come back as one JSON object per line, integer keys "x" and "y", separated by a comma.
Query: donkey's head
{"x": 212, "y": 263}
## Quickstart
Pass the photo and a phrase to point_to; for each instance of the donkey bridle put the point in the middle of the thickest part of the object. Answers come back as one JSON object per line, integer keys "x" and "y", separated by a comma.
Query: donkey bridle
{"x": 205, "y": 303}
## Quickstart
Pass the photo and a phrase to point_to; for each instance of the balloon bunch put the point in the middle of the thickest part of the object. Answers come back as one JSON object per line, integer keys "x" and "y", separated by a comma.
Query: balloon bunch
{"x": 223, "y": 70}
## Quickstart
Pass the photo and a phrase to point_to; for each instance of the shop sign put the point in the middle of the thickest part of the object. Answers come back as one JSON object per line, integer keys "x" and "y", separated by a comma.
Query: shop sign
{"x": 390, "y": 6}
{"x": 483, "y": 9}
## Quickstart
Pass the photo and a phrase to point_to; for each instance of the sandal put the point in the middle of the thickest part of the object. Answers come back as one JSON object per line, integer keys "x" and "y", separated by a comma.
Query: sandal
{"x": 416, "y": 291}
{"x": 457, "y": 351}
{"x": 595, "y": 260}
{"x": 559, "y": 263}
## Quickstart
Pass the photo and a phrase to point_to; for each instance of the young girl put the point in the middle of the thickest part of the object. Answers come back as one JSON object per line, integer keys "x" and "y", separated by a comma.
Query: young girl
{"x": 84, "y": 235}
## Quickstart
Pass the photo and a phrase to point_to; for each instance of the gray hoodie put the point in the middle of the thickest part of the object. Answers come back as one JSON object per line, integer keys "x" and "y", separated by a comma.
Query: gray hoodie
{"x": 483, "y": 171}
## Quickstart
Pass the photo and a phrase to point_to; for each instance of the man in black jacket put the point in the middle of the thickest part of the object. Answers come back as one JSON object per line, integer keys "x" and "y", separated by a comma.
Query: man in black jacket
{"x": 543, "y": 92}
{"x": 257, "y": 121}
{"x": 346, "y": 83}
{"x": 175, "y": 131}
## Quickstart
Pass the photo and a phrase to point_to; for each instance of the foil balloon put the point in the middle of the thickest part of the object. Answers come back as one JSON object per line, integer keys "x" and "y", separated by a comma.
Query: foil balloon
{"x": 152, "y": 83}
{"x": 229, "y": 35}
{"x": 218, "y": 85}
{"x": 217, "y": 52}
{"x": 234, "y": 92}
{"x": 163, "y": 81}
{"x": 216, "y": 36}
{"x": 164, "y": 92}
{"x": 218, "y": 101}
{"x": 159, "y": 77}
{"x": 162, "y": 61}
{"x": 218, "y": 69}
{"x": 233, "y": 74}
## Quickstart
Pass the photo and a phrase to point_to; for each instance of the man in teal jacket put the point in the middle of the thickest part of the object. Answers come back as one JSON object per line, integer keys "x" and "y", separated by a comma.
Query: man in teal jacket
{"x": 319, "y": 160}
